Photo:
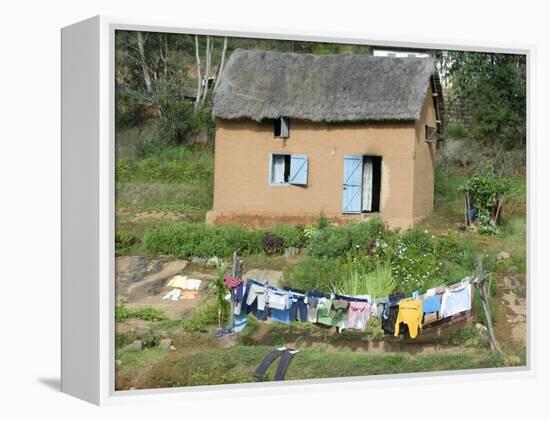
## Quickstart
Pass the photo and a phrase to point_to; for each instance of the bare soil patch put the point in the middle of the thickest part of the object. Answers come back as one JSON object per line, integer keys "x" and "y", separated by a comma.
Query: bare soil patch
{"x": 141, "y": 282}
{"x": 511, "y": 323}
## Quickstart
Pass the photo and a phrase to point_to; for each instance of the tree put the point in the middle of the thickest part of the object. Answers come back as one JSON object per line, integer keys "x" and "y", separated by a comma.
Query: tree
{"x": 162, "y": 80}
{"x": 493, "y": 86}
{"x": 152, "y": 84}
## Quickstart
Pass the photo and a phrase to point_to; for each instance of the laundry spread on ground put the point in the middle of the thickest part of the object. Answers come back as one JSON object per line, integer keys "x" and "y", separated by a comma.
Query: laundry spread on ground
{"x": 398, "y": 314}
{"x": 182, "y": 282}
{"x": 183, "y": 288}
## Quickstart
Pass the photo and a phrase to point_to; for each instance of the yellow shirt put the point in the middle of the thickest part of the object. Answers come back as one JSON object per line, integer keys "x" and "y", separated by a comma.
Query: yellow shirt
{"x": 410, "y": 313}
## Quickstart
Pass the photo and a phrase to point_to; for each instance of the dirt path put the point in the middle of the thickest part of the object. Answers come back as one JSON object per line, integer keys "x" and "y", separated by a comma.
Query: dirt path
{"x": 511, "y": 320}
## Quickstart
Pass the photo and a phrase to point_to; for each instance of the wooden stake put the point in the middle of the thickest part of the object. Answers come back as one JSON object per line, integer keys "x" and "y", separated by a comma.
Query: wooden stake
{"x": 234, "y": 273}
{"x": 480, "y": 283}
{"x": 500, "y": 200}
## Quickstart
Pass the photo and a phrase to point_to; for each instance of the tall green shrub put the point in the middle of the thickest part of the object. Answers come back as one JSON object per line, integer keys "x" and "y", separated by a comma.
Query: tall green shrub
{"x": 336, "y": 241}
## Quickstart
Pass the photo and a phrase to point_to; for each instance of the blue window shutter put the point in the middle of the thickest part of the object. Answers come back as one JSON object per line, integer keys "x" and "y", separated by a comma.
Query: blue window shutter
{"x": 353, "y": 184}
{"x": 298, "y": 170}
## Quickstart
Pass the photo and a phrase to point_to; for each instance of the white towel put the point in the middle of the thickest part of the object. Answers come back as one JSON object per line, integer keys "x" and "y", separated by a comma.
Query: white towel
{"x": 183, "y": 282}
{"x": 173, "y": 295}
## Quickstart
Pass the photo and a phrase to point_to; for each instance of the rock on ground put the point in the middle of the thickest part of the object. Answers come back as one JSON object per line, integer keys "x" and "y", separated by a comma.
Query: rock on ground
{"x": 141, "y": 282}
{"x": 165, "y": 343}
{"x": 272, "y": 276}
{"x": 199, "y": 261}
{"x": 503, "y": 255}
{"x": 213, "y": 262}
{"x": 135, "y": 346}
{"x": 140, "y": 276}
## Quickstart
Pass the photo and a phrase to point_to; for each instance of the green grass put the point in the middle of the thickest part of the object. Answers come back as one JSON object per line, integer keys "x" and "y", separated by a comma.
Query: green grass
{"x": 378, "y": 282}
{"x": 176, "y": 197}
{"x": 168, "y": 183}
{"x": 236, "y": 365}
{"x": 457, "y": 131}
{"x": 123, "y": 313}
{"x": 132, "y": 362}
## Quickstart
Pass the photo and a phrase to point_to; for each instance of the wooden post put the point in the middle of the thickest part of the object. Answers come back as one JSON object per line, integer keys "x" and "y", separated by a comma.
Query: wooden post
{"x": 232, "y": 291}
{"x": 466, "y": 209}
{"x": 468, "y": 205}
{"x": 236, "y": 272}
{"x": 499, "y": 206}
{"x": 480, "y": 282}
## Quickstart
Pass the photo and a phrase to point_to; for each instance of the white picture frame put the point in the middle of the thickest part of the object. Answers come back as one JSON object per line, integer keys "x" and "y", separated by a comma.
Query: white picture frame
{"x": 88, "y": 258}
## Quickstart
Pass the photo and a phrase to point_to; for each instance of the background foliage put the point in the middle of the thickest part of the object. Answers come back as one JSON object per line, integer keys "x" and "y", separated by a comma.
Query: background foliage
{"x": 493, "y": 86}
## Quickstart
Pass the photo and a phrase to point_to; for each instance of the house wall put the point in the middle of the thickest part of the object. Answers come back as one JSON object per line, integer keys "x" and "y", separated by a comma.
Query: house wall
{"x": 242, "y": 193}
{"x": 424, "y": 162}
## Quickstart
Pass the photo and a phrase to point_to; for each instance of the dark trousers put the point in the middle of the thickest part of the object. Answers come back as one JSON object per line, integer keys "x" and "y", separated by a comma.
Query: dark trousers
{"x": 253, "y": 308}
{"x": 298, "y": 310}
{"x": 286, "y": 356}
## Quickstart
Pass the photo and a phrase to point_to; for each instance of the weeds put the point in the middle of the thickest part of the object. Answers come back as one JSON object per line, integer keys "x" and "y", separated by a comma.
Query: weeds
{"x": 378, "y": 282}
{"x": 122, "y": 313}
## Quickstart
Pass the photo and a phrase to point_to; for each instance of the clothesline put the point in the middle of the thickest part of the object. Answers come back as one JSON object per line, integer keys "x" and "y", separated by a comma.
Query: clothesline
{"x": 398, "y": 314}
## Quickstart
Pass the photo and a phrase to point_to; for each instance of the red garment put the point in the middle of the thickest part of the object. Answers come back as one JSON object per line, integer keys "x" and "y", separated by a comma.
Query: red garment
{"x": 232, "y": 282}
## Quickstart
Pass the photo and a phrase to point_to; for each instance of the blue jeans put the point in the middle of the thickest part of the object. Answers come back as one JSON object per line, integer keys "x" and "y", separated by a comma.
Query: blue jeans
{"x": 282, "y": 316}
{"x": 315, "y": 294}
{"x": 253, "y": 308}
{"x": 298, "y": 309}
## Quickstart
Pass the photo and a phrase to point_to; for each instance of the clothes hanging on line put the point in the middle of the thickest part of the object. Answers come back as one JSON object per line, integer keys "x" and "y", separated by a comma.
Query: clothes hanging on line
{"x": 323, "y": 311}
{"x": 431, "y": 304}
{"x": 398, "y": 315}
{"x": 257, "y": 294}
{"x": 277, "y": 299}
{"x": 410, "y": 313}
{"x": 298, "y": 309}
{"x": 359, "y": 314}
{"x": 456, "y": 300}
{"x": 232, "y": 282}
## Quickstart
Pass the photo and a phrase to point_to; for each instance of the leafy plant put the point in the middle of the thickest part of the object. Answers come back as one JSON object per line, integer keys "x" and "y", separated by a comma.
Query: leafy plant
{"x": 457, "y": 131}
{"x": 485, "y": 189}
{"x": 123, "y": 241}
{"x": 309, "y": 231}
{"x": 351, "y": 239}
{"x": 416, "y": 264}
{"x": 377, "y": 282}
{"x": 292, "y": 235}
{"x": 272, "y": 243}
{"x": 221, "y": 291}
{"x": 202, "y": 318}
{"x": 322, "y": 222}
{"x": 380, "y": 282}
{"x": 313, "y": 273}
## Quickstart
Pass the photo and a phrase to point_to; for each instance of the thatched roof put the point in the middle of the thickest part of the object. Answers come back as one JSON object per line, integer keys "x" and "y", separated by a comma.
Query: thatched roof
{"x": 335, "y": 88}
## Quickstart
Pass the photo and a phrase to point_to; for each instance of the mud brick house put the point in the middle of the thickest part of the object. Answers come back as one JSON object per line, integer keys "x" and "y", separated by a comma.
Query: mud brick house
{"x": 347, "y": 135}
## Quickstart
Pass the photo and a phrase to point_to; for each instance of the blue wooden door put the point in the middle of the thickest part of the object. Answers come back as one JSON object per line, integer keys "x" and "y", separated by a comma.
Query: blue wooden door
{"x": 353, "y": 180}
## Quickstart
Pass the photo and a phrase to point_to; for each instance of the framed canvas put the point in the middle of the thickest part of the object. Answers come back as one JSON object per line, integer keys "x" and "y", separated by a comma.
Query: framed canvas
{"x": 252, "y": 211}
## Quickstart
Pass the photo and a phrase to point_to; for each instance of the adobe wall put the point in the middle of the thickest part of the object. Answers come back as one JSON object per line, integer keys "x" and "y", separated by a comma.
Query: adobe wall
{"x": 424, "y": 163}
{"x": 243, "y": 194}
